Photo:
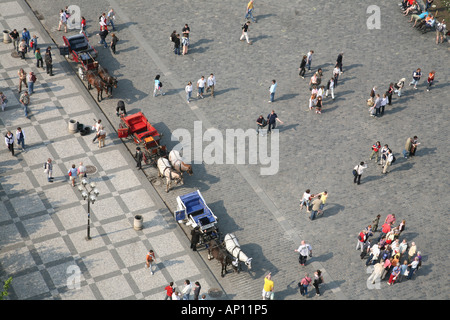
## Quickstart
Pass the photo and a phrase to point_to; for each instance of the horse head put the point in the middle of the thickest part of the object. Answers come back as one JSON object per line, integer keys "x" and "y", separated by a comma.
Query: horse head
{"x": 114, "y": 82}
{"x": 248, "y": 263}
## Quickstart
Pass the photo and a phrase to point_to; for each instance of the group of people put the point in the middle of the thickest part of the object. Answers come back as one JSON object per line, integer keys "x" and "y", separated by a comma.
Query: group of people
{"x": 181, "y": 44}
{"x": 314, "y": 203}
{"x": 9, "y": 140}
{"x": 387, "y": 254}
{"x": 316, "y": 86}
{"x": 203, "y": 86}
{"x": 423, "y": 19}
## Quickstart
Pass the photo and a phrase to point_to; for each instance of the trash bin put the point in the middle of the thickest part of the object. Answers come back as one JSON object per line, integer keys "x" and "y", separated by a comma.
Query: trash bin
{"x": 73, "y": 126}
{"x": 6, "y": 38}
{"x": 138, "y": 222}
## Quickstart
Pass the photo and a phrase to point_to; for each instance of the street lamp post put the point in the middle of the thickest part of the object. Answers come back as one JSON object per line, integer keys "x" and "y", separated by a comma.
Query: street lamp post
{"x": 90, "y": 194}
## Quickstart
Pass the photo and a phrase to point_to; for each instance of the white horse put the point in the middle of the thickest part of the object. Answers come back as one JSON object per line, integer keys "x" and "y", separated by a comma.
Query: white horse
{"x": 165, "y": 170}
{"x": 233, "y": 247}
{"x": 177, "y": 163}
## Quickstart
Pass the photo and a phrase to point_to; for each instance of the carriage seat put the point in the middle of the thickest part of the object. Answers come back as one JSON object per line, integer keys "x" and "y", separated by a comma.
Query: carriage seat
{"x": 79, "y": 44}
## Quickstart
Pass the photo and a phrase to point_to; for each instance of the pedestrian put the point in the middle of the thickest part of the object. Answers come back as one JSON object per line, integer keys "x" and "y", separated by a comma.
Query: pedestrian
{"x": 249, "y": 11}
{"x": 304, "y": 251}
{"x": 113, "y": 43}
{"x": 377, "y": 105}
{"x": 267, "y": 292}
{"x": 102, "y": 34}
{"x": 390, "y": 92}
{"x": 177, "y": 44}
{"x": 38, "y": 57}
{"x": 31, "y": 80}
{"x": 358, "y": 171}
{"x": 384, "y": 152}
{"x": 414, "y": 145}
{"x": 318, "y": 279}
{"x": 399, "y": 86}
{"x": 201, "y": 87}
{"x": 185, "y": 43}
{"x": 306, "y": 200}
{"x": 197, "y": 288}
{"x": 15, "y": 37}
{"x": 120, "y": 109}
{"x": 416, "y": 77}
{"x": 330, "y": 88}
{"x": 186, "y": 292}
{"x": 20, "y": 136}
{"x": 245, "y": 32}
{"x": 373, "y": 255}
{"x": 22, "y": 49}
{"x": 260, "y": 124}
{"x": 9, "y": 141}
{"x": 384, "y": 102}
{"x": 408, "y": 146}
{"x": 83, "y": 26}
{"x": 149, "y": 260}
{"x": 111, "y": 16}
{"x": 49, "y": 61}
{"x": 188, "y": 90}
{"x": 390, "y": 219}
{"x": 323, "y": 198}
{"x": 375, "y": 223}
{"x": 386, "y": 266}
{"x": 186, "y": 30}
{"x": 319, "y": 105}
{"x": 22, "y": 79}
{"x": 412, "y": 268}
{"x": 304, "y": 284}
{"x": 402, "y": 248}
{"x": 102, "y": 20}
{"x": 376, "y": 148}
{"x": 336, "y": 74}
{"x": 315, "y": 207}
{"x": 309, "y": 59}
{"x": 365, "y": 249}
{"x": 3, "y": 100}
{"x": 339, "y": 61}
{"x": 25, "y": 100}
{"x": 412, "y": 251}
{"x": 169, "y": 291}
{"x": 403, "y": 271}
{"x": 26, "y": 36}
{"x": 302, "y": 67}
{"x": 362, "y": 237}
{"x": 72, "y": 174}
{"x": 272, "y": 118}
{"x": 441, "y": 27}
{"x": 211, "y": 83}
{"x": 98, "y": 125}
{"x": 62, "y": 21}
{"x": 272, "y": 90}
{"x": 158, "y": 86}
{"x": 195, "y": 237}
{"x": 81, "y": 171}
{"x": 48, "y": 170}
{"x": 138, "y": 156}
{"x": 430, "y": 79}
{"x": 34, "y": 43}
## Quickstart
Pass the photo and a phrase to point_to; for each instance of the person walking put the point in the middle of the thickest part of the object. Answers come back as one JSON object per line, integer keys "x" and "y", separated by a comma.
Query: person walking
{"x": 358, "y": 171}
{"x": 31, "y": 80}
{"x": 201, "y": 87}
{"x": 375, "y": 151}
{"x": 304, "y": 284}
{"x": 323, "y": 199}
{"x": 318, "y": 279}
{"x": 9, "y": 141}
{"x": 38, "y": 57}
{"x": 3, "y": 100}
{"x": 22, "y": 49}
{"x": 330, "y": 88}
{"x": 102, "y": 34}
{"x": 48, "y": 170}
{"x": 101, "y": 137}
{"x": 62, "y": 20}
{"x": 25, "y": 100}
{"x": 73, "y": 172}
{"x": 304, "y": 251}
{"x": 309, "y": 59}
{"x": 249, "y": 11}
{"x": 188, "y": 90}
{"x": 197, "y": 288}
{"x": 113, "y": 43}
{"x": 49, "y": 61}
{"x": 111, "y": 17}
{"x": 272, "y": 118}
{"x": 306, "y": 200}
{"x": 339, "y": 61}
{"x": 430, "y": 79}
{"x": 149, "y": 260}
{"x": 245, "y": 32}
{"x": 20, "y": 136}
{"x": 272, "y": 90}
{"x": 83, "y": 26}
{"x": 268, "y": 287}
{"x": 138, "y": 156}
{"x": 302, "y": 67}
{"x": 416, "y": 77}
{"x": 81, "y": 171}
{"x": 186, "y": 292}
{"x": 22, "y": 79}
{"x": 98, "y": 125}
{"x": 158, "y": 86}
{"x": 316, "y": 203}
{"x": 210, "y": 84}
{"x": 169, "y": 291}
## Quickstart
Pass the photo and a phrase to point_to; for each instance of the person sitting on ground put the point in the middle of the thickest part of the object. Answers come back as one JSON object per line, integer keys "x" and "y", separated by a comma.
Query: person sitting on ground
{"x": 419, "y": 17}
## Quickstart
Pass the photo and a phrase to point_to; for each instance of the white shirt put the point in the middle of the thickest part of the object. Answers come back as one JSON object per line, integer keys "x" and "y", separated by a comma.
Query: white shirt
{"x": 18, "y": 133}
{"x": 359, "y": 168}
{"x": 201, "y": 83}
{"x": 211, "y": 81}
{"x": 384, "y": 101}
{"x": 390, "y": 157}
{"x": 306, "y": 196}
{"x": 187, "y": 289}
{"x": 304, "y": 249}
{"x": 63, "y": 17}
{"x": 188, "y": 88}
{"x": 9, "y": 140}
{"x": 336, "y": 71}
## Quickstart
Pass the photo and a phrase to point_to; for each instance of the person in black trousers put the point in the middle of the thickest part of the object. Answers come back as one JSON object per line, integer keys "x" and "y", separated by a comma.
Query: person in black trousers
{"x": 121, "y": 108}
{"x": 114, "y": 40}
{"x": 49, "y": 61}
{"x": 357, "y": 172}
{"x": 339, "y": 61}
{"x": 302, "y": 67}
{"x": 195, "y": 237}
{"x": 138, "y": 156}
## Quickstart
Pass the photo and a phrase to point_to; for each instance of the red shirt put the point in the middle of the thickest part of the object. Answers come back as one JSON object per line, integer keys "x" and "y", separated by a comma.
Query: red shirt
{"x": 169, "y": 290}
{"x": 386, "y": 228}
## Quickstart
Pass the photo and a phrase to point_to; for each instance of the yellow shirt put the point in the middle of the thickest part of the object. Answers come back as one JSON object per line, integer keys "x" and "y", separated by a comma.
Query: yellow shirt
{"x": 250, "y": 5}
{"x": 323, "y": 197}
{"x": 268, "y": 285}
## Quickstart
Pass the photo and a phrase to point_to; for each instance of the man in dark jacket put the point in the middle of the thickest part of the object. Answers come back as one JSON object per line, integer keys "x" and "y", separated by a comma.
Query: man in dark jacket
{"x": 103, "y": 33}
{"x": 195, "y": 237}
{"x": 49, "y": 61}
{"x": 138, "y": 156}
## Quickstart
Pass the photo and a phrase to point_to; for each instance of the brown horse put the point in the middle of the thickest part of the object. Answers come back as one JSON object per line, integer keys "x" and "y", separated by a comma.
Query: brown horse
{"x": 110, "y": 81}
{"x": 218, "y": 252}
{"x": 95, "y": 81}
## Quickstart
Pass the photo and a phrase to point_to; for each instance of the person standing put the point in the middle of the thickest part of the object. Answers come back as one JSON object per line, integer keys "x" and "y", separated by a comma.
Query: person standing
{"x": 309, "y": 59}
{"x": 272, "y": 90}
{"x": 38, "y": 57}
{"x": 377, "y": 105}
{"x": 73, "y": 172}
{"x": 185, "y": 43}
{"x": 362, "y": 237}
{"x": 22, "y": 79}
{"x": 211, "y": 83}
{"x": 81, "y": 171}
{"x": 186, "y": 292}
{"x": 15, "y": 37}
{"x": 414, "y": 145}
{"x": 113, "y": 43}
{"x": 3, "y": 100}
{"x": 31, "y": 79}
{"x": 22, "y": 49}
{"x": 268, "y": 287}
{"x": 412, "y": 251}
{"x": 315, "y": 207}
{"x": 120, "y": 109}
{"x": 375, "y": 151}
{"x": 384, "y": 102}
{"x": 138, "y": 156}
{"x": 304, "y": 284}
{"x": 25, "y": 100}
{"x": 358, "y": 171}
{"x": 149, "y": 260}
{"x": 383, "y": 157}
{"x": 409, "y": 145}
{"x": 9, "y": 141}
{"x": 412, "y": 268}
{"x": 26, "y": 36}
{"x": 260, "y": 123}
{"x": 34, "y": 43}
{"x": 48, "y": 170}
{"x": 245, "y": 32}
{"x": 49, "y": 61}
{"x": 83, "y": 26}
{"x": 302, "y": 67}
{"x": 336, "y": 74}
{"x": 249, "y": 11}
{"x": 416, "y": 77}
{"x": 339, "y": 61}
{"x": 158, "y": 86}
{"x": 394, "y": 274}
{"x": 306, "y": 200}
{"x": 323, "y": 198}
{"x": 304, "y": 251}
{"x": 441, "y": 27}
{"x": 102, "y": 34}
{"x": 430, "y": 79}
{"x": 390, "y": 92}
{"x": 20, "y": 136}
{"x": 272, "y": 118}
{"x": 201, "y": 87}
{"x": 330, "y": 87}
{"x": 176, "y": 44}
{"x": 195, "y": 237}
{"x": 169, "y": 291}
{"x": 318, "y": 279}
{"x": 188, "y": 90}
{"x": 98, "y": 125}
{"x": 197, "y": 288}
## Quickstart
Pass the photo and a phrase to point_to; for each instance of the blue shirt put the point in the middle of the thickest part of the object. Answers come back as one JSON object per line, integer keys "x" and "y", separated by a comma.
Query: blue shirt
{"x": 423, "y": 15}
{"x": 273, "y": 87}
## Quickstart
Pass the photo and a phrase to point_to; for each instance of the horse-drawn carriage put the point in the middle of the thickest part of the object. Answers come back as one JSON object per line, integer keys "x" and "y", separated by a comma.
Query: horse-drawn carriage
{"x": 144, "y": 135}
{"x": 194, "y": 212}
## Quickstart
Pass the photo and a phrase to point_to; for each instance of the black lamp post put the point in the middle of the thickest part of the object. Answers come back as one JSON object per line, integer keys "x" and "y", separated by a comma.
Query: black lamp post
{"x": 90, "y": 194}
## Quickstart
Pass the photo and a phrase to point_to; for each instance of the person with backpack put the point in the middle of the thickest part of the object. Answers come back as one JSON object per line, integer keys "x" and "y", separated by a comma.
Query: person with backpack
{"x": 362, "y": 237}
{"x": 440, "y": 31}
{"x": 358, "y": 171}
{"x": 304, "y": 284}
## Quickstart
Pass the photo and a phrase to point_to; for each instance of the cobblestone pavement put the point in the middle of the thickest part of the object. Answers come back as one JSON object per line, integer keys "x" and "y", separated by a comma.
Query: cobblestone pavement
{"x": 316, "y": 151}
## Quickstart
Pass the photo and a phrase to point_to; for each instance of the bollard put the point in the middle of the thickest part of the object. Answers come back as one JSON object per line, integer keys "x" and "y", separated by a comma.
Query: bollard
{"x": 6, "y": 38}
{"x": 73, "y": 126}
